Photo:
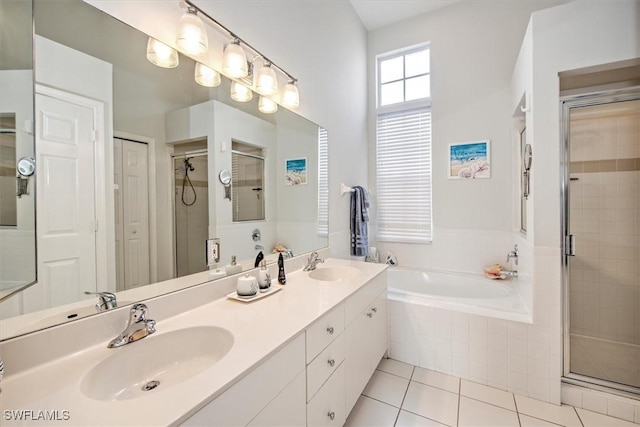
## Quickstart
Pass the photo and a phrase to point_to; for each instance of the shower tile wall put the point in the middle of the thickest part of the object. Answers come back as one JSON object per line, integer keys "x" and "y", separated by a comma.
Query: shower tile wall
{"x": 605, "y": 220}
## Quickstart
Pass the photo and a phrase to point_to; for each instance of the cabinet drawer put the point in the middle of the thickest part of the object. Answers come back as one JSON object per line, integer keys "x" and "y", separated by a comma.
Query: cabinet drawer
{"x": 327, "y": 408}
{"x": 324, "y": 365}
{"x": 323, "y": 331}
{"x": 364, "y": 296}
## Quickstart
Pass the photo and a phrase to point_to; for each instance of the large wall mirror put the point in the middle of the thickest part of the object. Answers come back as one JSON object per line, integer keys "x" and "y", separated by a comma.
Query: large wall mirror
{"x": 128, "y": 161}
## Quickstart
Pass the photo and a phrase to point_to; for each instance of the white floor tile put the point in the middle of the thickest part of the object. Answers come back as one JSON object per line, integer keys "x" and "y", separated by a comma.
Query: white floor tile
{"x": 386, "y": 388}
{"x": 394, "y": 367}
{"x": 488, "y": 394}
{"x": 527, "y": 421}
{"x": 436, "y": 379}
{"x": 371, "y": 413}
{"x": 407, "y": 419}
{"x": 593, "y": 419}
{"x": 432, "y": 403}
{"x": 563, "y": 415}
{"x": 474, "y": 413}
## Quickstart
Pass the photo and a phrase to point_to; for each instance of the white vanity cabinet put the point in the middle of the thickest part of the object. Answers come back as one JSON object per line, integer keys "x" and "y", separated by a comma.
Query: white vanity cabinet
{"x": 316, "y": 379}
{"x": 325, "y": 370}
{"x": 272, "y": 394}
{"x": 365, "y": 336}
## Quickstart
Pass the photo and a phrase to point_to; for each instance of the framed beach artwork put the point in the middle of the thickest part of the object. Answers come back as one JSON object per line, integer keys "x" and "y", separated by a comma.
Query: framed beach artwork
{"x": 469, "y": 160}
{"x": 295, "y": 171}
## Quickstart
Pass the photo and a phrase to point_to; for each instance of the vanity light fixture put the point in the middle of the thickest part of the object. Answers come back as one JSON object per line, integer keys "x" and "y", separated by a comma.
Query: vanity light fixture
{"x": 290, "y": 96}
{"x": 206, "y": 76}
{"x": 192, "y": 39}
{"x": 161, "y": 55}
{"x": 234, "y": 60}
{"x": 267, "y": 105}
{"x": 192, "y": 36}
{"x": 266, "y": 80}
{"x": 240, "y": 92}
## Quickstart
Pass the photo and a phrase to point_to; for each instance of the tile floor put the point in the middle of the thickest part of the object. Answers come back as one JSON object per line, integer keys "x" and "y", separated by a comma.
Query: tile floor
{"x": 404, "y": 395}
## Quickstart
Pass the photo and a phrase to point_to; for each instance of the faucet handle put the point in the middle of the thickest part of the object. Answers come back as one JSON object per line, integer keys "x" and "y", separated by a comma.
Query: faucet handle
{"x": 106, "y": 300}
{"x": 138, "y": 314}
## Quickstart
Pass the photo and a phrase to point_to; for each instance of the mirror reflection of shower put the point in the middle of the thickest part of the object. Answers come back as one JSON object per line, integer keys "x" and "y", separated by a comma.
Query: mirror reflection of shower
{"x": 188, "y": 185}
{"x": 191, "y": 207}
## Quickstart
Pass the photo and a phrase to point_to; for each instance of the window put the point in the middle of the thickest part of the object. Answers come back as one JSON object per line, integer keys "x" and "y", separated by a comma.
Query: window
{"x": 403, "y": 147}
{"x": 323, "y": 182}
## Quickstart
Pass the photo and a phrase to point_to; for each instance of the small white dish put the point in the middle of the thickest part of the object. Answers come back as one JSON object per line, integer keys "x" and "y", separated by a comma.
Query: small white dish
{"x": 272, "y": 290}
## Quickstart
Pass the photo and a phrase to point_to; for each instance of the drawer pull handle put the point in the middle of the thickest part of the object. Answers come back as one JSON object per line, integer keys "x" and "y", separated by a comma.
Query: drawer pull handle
{"x": 375, "y": 310}
{"x": 330, "y": 330}
{"x": 331, "y": 415}
{"x": 331, "y": 362}
{"x": 370, "y": 314}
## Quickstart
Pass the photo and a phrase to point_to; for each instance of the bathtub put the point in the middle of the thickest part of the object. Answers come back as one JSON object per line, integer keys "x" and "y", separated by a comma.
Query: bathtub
{"x": 467, "y": 293}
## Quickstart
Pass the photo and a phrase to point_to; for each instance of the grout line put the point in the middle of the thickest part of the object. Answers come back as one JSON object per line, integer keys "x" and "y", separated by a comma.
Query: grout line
{"x": 381, "y": 401}
{"x": 426, "y": 418}
{"x": 459, "y": 399}
{"x": 578, "y": 415}
{"x": 515, "y": 403}
{"x": 395, "y": 375}
{"x": 405, "y": 395}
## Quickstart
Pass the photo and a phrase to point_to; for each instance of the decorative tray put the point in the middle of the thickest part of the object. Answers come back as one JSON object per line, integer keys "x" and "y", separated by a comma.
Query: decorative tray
{"x": 272, "y": 290}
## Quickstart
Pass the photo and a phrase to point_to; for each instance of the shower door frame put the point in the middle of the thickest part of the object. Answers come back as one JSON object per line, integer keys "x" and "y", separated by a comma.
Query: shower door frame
{"x": 566, "y": 104}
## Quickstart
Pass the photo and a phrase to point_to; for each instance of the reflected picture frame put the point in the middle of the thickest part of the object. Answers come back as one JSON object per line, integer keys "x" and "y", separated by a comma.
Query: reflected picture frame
{"x": 296, "y": 171}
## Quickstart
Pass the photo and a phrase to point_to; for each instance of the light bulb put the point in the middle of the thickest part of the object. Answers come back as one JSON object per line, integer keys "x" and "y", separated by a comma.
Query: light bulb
{"x": 192, "y": 36}
{"x": 161, "y": 55}
{"x": 240, "y": 92}
{"x": 267, "y": 105}
{"x": 290, "y": 95}
{"x": 266, "y": 81}
{"x": 234, "y": 61}
{"x": 206, "y": 76}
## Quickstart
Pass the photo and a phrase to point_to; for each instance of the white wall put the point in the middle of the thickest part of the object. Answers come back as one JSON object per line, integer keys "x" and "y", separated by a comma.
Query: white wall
{"x": 474, "y": 46}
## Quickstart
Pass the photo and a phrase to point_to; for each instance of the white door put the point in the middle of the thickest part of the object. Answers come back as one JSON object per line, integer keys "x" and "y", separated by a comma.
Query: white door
{"x": 65, "y": 198}
{"x": 134, "y": 205}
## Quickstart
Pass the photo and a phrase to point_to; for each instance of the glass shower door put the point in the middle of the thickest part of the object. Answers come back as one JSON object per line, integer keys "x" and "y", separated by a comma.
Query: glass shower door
{"x": 602, "y": 206}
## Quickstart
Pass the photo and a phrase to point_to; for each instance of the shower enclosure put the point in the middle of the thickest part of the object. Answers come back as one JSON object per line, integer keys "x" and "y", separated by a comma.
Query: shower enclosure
{"x": 601, "y": 193}
{"x": 191, "y": 212}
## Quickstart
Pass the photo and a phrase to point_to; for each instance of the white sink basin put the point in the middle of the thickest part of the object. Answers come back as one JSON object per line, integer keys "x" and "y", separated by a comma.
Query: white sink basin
{"x": 334, "y": 274}
{"x": 168, "y": 359}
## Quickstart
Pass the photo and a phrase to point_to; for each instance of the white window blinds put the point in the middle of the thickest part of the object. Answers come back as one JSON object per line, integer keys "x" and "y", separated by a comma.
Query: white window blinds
{"x": 323, "y": 183}
{"x": 404, "y": 176}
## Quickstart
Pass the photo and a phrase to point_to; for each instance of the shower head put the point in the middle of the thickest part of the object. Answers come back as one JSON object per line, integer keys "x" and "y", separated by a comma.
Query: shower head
{"x": 188, "y": 165}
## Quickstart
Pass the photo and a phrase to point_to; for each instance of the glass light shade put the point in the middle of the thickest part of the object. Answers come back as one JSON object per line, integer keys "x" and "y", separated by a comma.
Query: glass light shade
{"x": 234, "y": 61}
{"x": 290, "y": 96}
{"x": 192, "y": 36}
{"x": 266, "y": 81}
{"x": 206, "y": 76}
{"x": 267, "y": 105}
{"x": 161, "y": 55}
{"x": 240, "y": 92}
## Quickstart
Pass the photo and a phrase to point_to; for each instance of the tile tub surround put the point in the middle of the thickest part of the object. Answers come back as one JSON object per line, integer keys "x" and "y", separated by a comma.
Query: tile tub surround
{"x": 259, "y": 329}
{"x": 429, "y": 398}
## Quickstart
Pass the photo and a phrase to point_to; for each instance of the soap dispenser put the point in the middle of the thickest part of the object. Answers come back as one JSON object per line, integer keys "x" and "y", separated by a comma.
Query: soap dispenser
{"x": 264, "y": 278}
{"x": 233, "y": 268}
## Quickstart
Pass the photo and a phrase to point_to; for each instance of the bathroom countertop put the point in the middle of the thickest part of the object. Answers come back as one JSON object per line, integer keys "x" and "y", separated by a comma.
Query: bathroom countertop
{"x": 259, "y": 328}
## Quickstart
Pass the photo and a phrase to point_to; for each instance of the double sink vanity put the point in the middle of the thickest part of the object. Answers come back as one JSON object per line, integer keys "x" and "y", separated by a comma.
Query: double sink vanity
{"x": 301, "y": 356}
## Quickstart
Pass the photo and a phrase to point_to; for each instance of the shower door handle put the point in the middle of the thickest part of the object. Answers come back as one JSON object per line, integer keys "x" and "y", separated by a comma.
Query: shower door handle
{"x": 569, "y": 245}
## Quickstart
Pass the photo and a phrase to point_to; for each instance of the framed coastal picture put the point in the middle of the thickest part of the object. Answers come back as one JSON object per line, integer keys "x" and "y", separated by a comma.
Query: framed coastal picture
{"x": 295, "y": 171}
{"x": 469, "y": 160}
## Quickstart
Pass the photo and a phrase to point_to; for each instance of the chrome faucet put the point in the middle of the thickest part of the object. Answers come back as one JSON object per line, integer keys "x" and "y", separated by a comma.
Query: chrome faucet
{"x": 288, "y": 253}
{"x": 512, "y": 254}
{"x": 312, "y": 261}
{"x": 139, "y": 327}
{"x": 106, "y": 300}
